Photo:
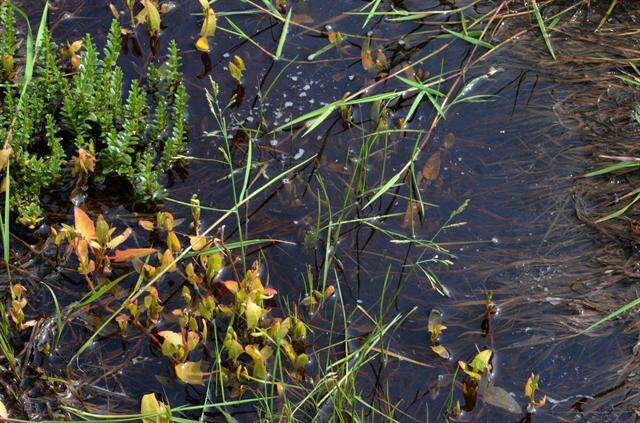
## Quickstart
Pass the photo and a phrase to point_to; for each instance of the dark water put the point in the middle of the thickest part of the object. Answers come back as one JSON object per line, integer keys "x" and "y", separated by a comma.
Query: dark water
{"x": 512, "y": 155}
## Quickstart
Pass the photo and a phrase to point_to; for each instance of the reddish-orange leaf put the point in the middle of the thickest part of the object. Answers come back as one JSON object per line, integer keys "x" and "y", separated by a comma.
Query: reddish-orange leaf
{"x": 232, "y": 286}
{"x": 84, "y": 224}
{"x": 131, "y": 253}
{"x": 270, "y": 292}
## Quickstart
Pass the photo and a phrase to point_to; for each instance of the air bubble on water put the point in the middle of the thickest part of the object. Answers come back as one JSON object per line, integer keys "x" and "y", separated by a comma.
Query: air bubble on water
{"x": 306, "y": 87}
{"x": 495, "y": 240}
{"x": 351, "y": 77}
{"x": 273, "y": 142}
{"x": 288, "y": 104}
{"x": 226, "y": 55}
{"x": 294, "y": 78}
{"x": 295, "y": 222}
{"x": 286, "y": 181}
{"x": 311, "y": 57}
{"x": 299, "y": 154}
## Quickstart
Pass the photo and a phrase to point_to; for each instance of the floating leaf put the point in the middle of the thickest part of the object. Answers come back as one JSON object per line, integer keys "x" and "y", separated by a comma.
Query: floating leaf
{"x": 441, "y": 351}
{"x": 150, "y": 406}
{"x": 83, "y": 224}
{"x": 202, "y": 44}
{"x": 500, "y": 398}
{"x": 480, "y": 362}
{"x": 434, "y": 325}
{"x": 129, "y": 254}
{"x": 191, "y": 372}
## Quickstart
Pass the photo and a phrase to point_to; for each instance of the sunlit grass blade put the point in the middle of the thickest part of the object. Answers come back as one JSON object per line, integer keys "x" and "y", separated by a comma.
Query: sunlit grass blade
{"x": 283, "y": 35}
{"x": 613, "y": 315}
{"x": 614, "y": 168}
{"x": 469, "y": 39}
{"x": 543, "y": 28}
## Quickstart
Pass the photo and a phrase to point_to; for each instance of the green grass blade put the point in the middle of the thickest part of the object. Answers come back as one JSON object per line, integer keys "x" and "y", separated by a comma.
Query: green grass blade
{"x": 543, "y": 29}
{"x": 283, "y": 35}
{"x": 469, "y": 39}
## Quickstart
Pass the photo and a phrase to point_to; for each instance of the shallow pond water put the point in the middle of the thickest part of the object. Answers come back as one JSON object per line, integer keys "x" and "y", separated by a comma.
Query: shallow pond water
{"x": 512, "y": 153}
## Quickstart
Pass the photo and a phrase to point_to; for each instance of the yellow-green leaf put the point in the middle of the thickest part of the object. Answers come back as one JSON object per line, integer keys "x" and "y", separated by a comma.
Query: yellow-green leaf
{"x": 191, "y": 372}
{"x": 153, "y": 17}
{"x": 441, "y": 351}
{"x": 151, "y": 406}
{"x": 253, "y": 313}
{"x": 209, "y": 24}
{"x": 202, "y": 44}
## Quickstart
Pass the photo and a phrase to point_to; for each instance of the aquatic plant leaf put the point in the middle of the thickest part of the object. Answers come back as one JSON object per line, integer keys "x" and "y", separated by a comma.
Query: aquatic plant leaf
{"x": 172, "y": 346}
{"x": 83, "y": 224}
{"x": 209, "y": 24}
{"x": 259, "y": 358}
{"x": 231, "y": 286}
{"x": 204, "y": 4}
{"x": 5, "y": 153}
{"x": 531, "y": 386}
{"x": 268, "y": 293}
{"x": 253, "y": 312}
{"x": 467, "y": 369}
{"x": 150, "y": 405}
{"x": 480, "y": 362}
{"x": 115, "y": 242}
{"x": 167, "y": 261}
{"x": 237, "y": 68}
{"x": 152, "y": 17}
{"x": 500, "y": 398}
{"x": 129, "y": 254}
{"x": 231, "y": 344}
{"x": 365, "y": 55}
{"x": 441, "y": 351}
{"x": 434, "y": 324}
{"x": 3, "y": 412}
{"x": 431, "y": 168}
{"x": 147, "y": 225}
{"x": 197, "y": 242}
{"x": 301, "y": 361}
{"x": 191, "y": 372}
{"x": 202, "y": 44}
{"x": 173, "y": 242}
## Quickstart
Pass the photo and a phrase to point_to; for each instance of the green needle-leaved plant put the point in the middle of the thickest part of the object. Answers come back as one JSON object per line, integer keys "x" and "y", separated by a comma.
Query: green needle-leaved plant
{"x": 80, "y": 124}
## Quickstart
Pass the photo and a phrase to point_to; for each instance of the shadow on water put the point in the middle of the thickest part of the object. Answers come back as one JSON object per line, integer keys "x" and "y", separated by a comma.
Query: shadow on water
{"x": 529, "y": 237}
